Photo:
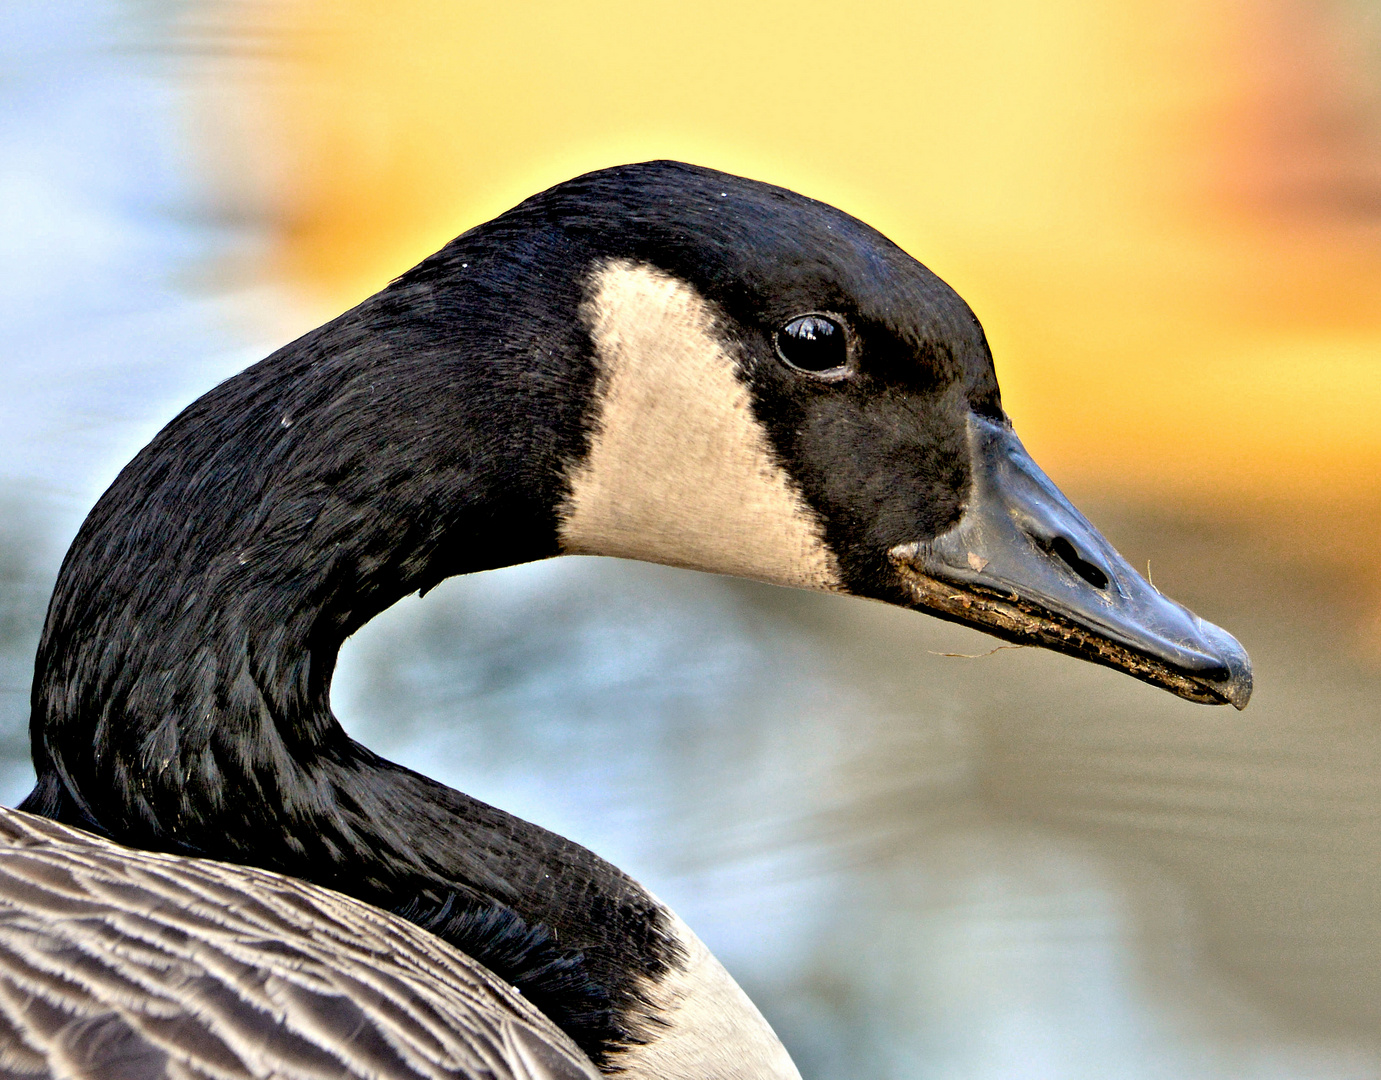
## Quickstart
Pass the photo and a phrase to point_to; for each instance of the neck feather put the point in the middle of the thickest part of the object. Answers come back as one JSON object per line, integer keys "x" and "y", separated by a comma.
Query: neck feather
{"x": 181, "y": 695}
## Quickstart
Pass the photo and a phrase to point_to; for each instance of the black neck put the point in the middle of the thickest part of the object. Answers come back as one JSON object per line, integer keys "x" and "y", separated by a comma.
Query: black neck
{"x": 181, "y": 696}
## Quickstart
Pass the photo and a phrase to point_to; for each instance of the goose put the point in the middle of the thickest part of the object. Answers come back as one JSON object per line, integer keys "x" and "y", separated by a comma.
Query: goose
{"x": 654, "y": 361}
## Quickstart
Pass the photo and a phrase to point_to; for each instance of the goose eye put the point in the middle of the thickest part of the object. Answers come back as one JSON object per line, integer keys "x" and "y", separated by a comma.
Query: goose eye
{"x": 814, "y": 343}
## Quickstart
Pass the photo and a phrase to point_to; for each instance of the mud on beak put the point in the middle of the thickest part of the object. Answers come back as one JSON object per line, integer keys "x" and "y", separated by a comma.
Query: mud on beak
{"x": 1023, "y": 564}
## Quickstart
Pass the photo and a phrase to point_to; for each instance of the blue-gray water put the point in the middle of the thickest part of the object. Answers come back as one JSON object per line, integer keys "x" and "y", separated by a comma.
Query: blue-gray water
{"x": 919, "y": 865}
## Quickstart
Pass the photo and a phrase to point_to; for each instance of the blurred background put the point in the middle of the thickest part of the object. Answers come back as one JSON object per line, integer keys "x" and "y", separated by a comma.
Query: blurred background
{"x": 1167, "y": 214}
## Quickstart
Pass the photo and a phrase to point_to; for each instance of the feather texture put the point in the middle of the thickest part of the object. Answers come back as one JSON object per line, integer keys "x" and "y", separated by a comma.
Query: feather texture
{"x": 120, "y": 964}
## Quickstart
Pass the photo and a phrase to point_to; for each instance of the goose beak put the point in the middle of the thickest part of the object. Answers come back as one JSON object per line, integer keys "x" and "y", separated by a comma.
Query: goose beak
{"x": 1022, "y": 563}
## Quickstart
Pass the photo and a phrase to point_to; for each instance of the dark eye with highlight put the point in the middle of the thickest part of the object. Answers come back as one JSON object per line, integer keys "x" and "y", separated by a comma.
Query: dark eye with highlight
{"x": 814, "y": 343}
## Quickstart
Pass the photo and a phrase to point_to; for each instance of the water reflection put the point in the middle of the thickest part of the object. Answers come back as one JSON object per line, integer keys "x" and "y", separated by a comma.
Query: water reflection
{"x": 24, "y": 587}
{"x": 1018, "y": 866}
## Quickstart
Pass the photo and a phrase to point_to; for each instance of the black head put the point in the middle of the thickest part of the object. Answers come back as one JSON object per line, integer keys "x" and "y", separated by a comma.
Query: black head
{"x": 781, "y": 392}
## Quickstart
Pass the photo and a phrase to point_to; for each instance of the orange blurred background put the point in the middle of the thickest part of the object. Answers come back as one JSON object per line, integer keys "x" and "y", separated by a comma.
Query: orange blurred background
{"x": 1167, "y": 213}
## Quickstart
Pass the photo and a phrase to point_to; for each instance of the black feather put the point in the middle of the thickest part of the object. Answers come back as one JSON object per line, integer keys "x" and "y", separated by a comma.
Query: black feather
{"x": 529, "y": 958}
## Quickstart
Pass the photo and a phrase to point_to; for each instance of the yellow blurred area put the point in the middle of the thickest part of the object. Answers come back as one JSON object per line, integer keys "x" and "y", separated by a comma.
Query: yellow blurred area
{"x": 1167, "y": 213}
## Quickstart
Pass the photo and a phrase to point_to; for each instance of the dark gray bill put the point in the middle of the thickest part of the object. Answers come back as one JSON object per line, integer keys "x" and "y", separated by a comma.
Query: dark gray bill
{"x": 1022, "y": 563}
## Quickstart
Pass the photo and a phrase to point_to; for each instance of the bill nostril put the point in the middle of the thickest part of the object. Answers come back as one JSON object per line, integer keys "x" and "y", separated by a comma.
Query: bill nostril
{"x": 1062, "y": 549}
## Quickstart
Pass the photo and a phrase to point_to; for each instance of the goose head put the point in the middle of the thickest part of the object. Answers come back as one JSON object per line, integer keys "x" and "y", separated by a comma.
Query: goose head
{"x": 782, "y": 393}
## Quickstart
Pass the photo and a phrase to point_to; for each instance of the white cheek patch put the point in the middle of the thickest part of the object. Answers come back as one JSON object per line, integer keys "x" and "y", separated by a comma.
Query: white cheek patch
{"x": 679, "y": 470}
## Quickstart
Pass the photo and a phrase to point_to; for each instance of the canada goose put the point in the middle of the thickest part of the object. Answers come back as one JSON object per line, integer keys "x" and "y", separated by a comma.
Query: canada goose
{"x": 655, "y": 361}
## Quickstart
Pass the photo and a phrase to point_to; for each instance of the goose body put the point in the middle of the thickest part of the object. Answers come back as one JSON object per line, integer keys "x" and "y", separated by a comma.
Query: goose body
{"x": 123, "y": 963}
{"x": 655, "y": 361}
